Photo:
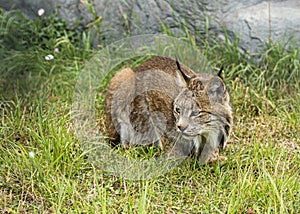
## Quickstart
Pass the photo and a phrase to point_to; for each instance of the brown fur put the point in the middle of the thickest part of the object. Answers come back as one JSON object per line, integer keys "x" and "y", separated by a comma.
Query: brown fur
{"x": 140, "y": 107}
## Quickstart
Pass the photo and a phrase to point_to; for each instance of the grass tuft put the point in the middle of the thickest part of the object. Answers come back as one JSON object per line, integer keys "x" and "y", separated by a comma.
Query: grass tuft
{"x": 44, "y": 170}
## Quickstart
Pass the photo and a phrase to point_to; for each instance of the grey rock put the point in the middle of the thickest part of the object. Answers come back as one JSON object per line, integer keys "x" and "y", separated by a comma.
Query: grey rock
{"x": 258, "y": 23}
{"x": 255, "y": 22}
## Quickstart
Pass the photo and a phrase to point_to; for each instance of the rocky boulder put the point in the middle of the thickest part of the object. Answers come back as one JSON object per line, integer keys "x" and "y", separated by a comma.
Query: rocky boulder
{"x": 255, "y": 22}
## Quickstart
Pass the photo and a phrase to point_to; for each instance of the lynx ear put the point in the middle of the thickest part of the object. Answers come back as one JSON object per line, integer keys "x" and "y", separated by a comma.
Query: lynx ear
{"x": 220, "y": 72}
{"x": 215, "y": 90}
{"x": 183, "y": 78}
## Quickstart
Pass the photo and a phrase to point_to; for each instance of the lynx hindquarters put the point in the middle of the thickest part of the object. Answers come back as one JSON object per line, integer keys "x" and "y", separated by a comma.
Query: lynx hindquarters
{"x": 164, "y": 101}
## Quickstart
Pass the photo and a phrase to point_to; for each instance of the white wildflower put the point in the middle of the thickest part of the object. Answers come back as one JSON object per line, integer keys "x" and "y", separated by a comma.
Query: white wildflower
{"x": 56, "y": 50}
{"x": 31, "y": 154}
{"x": 84, "y": 1}
{"x": 49, "y": 57}
{"x": 41, "y": 12}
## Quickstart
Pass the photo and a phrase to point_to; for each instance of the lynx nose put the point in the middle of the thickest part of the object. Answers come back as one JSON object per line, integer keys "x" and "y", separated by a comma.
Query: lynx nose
{"x": 182, "y": 126}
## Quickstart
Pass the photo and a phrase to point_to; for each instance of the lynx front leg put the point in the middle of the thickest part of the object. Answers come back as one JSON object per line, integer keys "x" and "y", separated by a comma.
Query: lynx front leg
{"x": 130, "y": 136}
{"x": 181, "y": 149}
{"x": 210, "y": 143}
{"x": 125, "y": 135}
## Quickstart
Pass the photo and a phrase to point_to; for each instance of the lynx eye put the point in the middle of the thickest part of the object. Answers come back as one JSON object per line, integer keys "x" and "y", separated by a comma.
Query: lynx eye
{"x": 196, "y": 113}
{"x": 177, "y": 110}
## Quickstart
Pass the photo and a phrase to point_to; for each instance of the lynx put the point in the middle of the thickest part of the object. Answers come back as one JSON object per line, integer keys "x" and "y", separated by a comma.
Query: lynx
{"x": 163, "y": 102}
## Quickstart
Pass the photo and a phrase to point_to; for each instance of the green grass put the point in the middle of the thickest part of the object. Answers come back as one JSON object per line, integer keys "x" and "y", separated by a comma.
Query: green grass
{"x": 259, "y": 174}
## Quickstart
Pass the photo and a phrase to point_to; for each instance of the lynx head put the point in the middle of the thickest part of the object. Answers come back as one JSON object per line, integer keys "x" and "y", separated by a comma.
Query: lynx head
{"x": 203, "y": 106}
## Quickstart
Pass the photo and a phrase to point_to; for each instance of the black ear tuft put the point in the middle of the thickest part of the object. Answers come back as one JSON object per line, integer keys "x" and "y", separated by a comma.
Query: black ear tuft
{"x": 220, "y": 72}
{"x": 178, "y": 64}
{"x": 183, "y": 74}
